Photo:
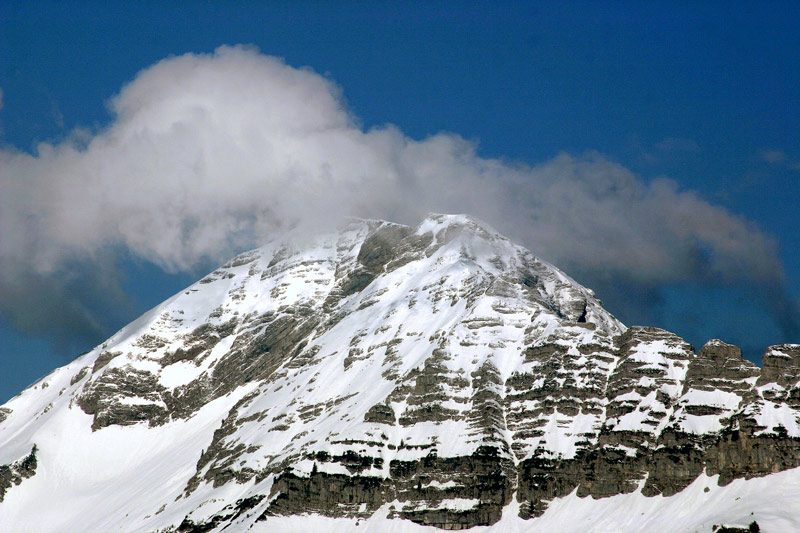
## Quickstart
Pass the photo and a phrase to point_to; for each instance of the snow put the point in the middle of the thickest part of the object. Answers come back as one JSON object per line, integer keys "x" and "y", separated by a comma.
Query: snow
{"x": 772, "y": 416}
{"x": 178, "y": 374}
{"x": 128, "y": 472}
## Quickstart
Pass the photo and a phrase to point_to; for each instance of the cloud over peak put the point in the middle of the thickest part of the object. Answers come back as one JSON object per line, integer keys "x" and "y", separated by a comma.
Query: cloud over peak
{"x": 210, "y": 154}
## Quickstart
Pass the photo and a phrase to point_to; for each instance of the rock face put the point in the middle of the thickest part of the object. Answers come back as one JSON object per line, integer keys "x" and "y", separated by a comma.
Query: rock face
{"x": 16, "y": 472}
{"x": 435, "y": 374}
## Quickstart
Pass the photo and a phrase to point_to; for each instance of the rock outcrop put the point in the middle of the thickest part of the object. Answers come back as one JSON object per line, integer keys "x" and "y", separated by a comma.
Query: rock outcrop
{"x": 15, "y": 473}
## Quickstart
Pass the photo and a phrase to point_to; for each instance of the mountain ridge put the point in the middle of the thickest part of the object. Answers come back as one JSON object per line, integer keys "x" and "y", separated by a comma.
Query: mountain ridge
{"x": 439, "y": 375}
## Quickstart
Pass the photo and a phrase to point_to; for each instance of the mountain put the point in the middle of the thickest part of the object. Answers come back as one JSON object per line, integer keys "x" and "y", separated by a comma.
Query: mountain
{"x": 386, "y": 378}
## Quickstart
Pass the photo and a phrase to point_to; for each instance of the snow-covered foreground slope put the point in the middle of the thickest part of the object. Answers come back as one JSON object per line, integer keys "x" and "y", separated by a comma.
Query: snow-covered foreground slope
{"x": 395, "y": 376}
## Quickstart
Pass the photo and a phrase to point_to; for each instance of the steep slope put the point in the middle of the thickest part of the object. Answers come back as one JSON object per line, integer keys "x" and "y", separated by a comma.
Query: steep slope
{"x": 440, "y": 375}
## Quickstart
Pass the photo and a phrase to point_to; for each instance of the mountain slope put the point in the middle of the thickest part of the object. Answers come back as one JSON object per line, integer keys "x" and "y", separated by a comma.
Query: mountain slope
{"x": 434, "y": 375}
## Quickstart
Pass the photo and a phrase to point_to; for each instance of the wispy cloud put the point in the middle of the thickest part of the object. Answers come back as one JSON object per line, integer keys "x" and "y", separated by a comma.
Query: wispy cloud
{"x": 210, "y": 154}
{"x": 773, "y": 157}
{"x": 779, "y": 159}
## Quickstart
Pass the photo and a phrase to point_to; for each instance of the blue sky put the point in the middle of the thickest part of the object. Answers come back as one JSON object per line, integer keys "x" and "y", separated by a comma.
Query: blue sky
{"x": 706, "y": 96}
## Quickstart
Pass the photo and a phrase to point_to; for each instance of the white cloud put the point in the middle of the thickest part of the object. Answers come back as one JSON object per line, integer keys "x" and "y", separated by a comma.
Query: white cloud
{"x": 208, "y": 154}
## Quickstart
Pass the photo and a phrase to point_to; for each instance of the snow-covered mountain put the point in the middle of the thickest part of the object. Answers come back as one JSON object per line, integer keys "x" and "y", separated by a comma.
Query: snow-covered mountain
{"x": 388, "y": 378}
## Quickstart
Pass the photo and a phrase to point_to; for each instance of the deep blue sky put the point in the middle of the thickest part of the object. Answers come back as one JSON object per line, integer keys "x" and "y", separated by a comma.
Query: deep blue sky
{"x": 708, "y": 95}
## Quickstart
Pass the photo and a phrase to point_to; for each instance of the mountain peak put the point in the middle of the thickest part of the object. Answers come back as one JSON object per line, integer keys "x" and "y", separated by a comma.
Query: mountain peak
{"x": 438, "y": 374}
{"x": 435, "y": 222}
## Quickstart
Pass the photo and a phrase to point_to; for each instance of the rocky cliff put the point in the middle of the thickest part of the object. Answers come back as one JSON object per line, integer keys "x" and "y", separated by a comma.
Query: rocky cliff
{"x": 437, "y": 374}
